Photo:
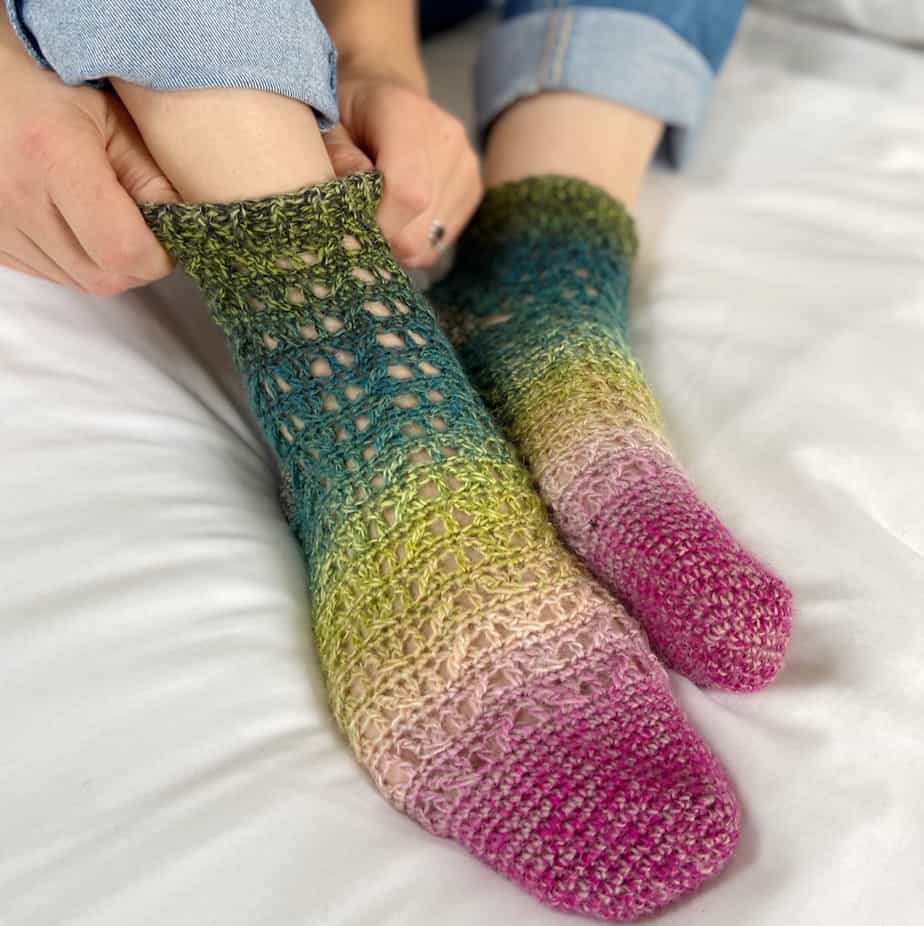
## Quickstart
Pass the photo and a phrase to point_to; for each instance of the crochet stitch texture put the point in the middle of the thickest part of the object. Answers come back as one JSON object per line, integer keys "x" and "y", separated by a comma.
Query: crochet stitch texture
{"x": 536, "y": 305}
{"x": 493, "y": 691}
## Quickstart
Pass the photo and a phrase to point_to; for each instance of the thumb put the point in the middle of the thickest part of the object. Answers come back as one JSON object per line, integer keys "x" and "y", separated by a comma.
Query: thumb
{"x": 135, "y": 168}
{"x": 344, "y": 155}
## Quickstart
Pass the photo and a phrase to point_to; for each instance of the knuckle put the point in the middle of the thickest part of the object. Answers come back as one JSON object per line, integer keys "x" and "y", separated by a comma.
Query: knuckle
{"x": 413, "y": 197}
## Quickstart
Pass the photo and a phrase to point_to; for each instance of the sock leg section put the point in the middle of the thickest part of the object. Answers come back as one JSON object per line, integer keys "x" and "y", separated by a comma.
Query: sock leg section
{"x": 493, "y": 691}
{"x": 537, "y": 306}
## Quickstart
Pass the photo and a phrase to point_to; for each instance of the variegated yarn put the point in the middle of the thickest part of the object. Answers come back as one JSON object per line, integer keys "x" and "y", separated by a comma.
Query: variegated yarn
{"x": 536, "y": 304}
{"x": 494, "y": 692}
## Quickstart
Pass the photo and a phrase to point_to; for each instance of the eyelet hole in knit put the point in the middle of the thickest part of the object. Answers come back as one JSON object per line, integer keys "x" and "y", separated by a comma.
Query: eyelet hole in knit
{"x": 363, "y": 275}
{"x": 319, "y": 367}
{"x": 350, "y": 243}
{"x": 377, "y": 309}
{"x": 390, "y": 339}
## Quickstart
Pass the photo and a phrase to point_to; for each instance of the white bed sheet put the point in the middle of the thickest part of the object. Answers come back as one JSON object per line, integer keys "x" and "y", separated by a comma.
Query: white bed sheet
{"x": 166, "y": 753}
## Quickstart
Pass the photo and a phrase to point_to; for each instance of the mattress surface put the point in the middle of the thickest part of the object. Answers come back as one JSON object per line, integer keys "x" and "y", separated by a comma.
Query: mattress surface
{"x": 167, "y": 756}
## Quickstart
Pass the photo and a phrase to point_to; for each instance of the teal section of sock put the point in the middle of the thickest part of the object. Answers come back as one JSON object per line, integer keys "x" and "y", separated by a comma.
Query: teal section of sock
{"x": 542, "y": 272}
{"x": 352, "y": 379}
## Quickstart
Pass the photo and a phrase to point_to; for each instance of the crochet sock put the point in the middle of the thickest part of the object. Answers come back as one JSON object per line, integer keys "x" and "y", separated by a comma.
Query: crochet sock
{"x": 494, "y": 692}
{"x": 536, "y": 304}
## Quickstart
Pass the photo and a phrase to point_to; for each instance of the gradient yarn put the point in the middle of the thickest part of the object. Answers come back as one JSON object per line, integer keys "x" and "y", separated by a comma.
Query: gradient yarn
{"x": 492, "y": 689}
{"x": 536, "y": 305}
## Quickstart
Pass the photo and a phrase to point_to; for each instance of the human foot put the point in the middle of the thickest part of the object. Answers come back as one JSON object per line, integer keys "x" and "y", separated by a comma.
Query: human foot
{"x": 536, "y": 305}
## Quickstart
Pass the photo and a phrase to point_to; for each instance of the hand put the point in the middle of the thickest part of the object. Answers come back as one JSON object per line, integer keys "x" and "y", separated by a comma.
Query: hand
{"x": 431, "y": 171}
{"x": 72, "y": 168}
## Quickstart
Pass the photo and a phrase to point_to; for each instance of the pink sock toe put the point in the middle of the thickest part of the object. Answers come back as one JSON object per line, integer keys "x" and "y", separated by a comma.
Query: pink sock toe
{"x": 712, "y": 611}
{"x": 610, "y": 806}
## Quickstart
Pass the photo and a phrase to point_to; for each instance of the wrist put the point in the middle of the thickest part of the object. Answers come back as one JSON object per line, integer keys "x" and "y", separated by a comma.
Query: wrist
{"x": 372, "y": 62}
{"x": 376, "y": 39}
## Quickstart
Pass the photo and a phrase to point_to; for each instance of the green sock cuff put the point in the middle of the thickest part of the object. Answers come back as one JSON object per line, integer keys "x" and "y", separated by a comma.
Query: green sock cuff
{"x": 256, "y": 259}
{"x": 552, "y": 207}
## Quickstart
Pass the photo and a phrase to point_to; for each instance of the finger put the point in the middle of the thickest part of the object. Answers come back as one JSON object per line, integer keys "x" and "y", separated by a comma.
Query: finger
{"x": 454, "y": 207}
{"x": 135, "y": 169}
{"x": 50, "y": 234}
{"x": 401, "y": 144}
{"x": 103, "y": 218}
{"x": 345, "y": 157}
{"x": 27, "y": 249}
{"x": 23, "y": 255}
{"x": 13, "y": 263}
{"x": 35, "y": 256}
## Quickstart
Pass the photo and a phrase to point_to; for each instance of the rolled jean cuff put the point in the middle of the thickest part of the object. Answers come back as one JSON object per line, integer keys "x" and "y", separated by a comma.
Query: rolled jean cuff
{"x": 627, "y": 57}
{"x": 279, "y": 46}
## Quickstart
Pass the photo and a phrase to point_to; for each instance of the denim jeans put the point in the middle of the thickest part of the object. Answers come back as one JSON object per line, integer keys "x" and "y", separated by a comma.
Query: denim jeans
{"x": 656, "y": 56}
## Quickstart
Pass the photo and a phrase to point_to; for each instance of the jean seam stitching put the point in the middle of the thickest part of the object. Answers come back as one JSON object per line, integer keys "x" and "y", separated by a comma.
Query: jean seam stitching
{"x": 549, "y": 45}
{"x": 564, "y": 35}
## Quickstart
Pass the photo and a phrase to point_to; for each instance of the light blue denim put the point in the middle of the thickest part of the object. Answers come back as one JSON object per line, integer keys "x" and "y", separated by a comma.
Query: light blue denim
{"x": 275, "y": 45}
{"x": 657, "y": 56}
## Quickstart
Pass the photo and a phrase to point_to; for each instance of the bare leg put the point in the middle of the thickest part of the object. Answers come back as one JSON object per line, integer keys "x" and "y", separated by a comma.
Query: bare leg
{"x": 599, "y": 141}
{"x": 222, "y": 145}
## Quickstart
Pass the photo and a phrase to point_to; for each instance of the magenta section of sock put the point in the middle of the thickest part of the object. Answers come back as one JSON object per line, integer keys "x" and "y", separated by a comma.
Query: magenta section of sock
{"x": 712, "y": 611}
{"x": 613, "y": 809}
